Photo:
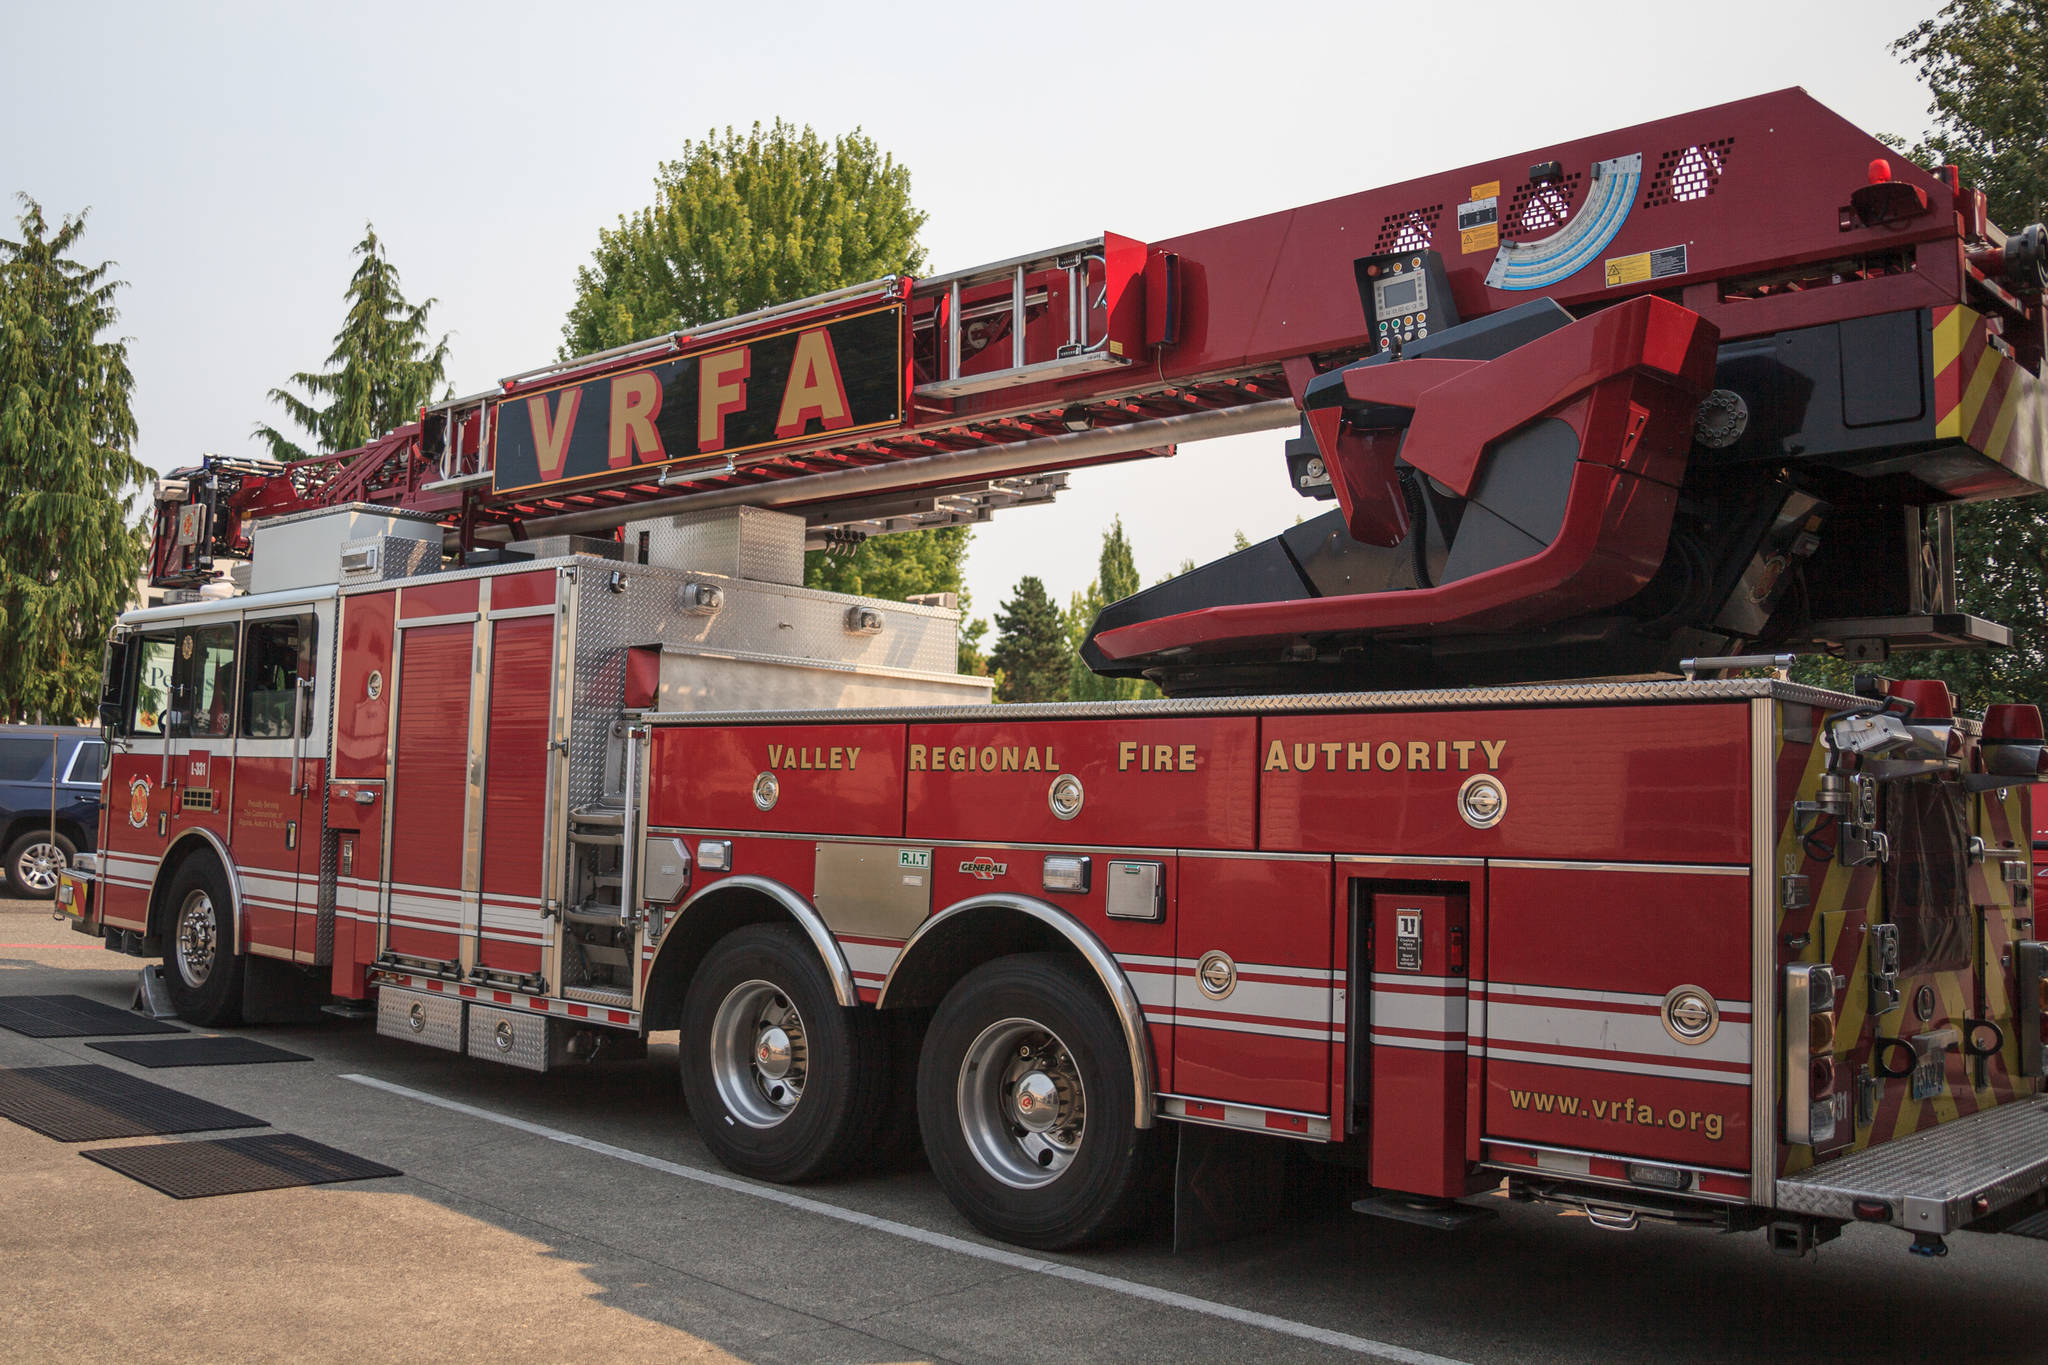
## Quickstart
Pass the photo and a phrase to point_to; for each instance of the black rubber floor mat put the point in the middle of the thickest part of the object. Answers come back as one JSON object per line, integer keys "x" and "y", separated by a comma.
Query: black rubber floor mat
{"x": 197, "y": 1052}
{"x": 271, "y": 1161}
{"x": 87, "y": 1103}
{"x": 72, "y": 1016}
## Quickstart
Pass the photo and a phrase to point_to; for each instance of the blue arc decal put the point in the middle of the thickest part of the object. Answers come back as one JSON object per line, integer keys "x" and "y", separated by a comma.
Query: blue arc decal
{"x": 1564, "y": 253}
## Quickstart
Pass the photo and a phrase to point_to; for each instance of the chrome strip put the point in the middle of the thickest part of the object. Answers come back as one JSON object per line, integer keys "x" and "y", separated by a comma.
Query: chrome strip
{"x": 1561, "y": 865}
{"x": 1764, "y": 1024}
{"x": 1607, "y": 1156}
{"x": 178, "y": 612}
{"x": 1547, "y": 694}
{"x": 1136, "y": 850}
{"x": 514, "y": 613}
{"x": 481, "y": 571}
{"x": 802, "y": 911}
{"x": 1125, "y": 1000}
{"x": 1378, "y": 859}
{"x": 452, "y": 618}
{"x": 1260, "y": 857}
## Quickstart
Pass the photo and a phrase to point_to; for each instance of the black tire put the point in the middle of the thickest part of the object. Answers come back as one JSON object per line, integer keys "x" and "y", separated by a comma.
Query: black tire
{"x": 1042, "y": 1016}
{"x": 202, "y": 970}
{"x": 813, "y": 1106}
{"x": 33, "y": 862}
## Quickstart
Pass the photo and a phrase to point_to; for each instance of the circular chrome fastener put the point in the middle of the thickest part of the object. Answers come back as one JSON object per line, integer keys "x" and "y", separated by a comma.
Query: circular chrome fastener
{"x": 767, "y": 791}
{"x": 1482, "y": 801}
{"x": 1065, "y": 796}
{"x": 195, "y": 939}
{"x": 502, "y": 1035}
{"x": 1216, "y": 974}
{"x": 1690, "y": 1014}
{"x": 759, "y": 1056}
{"x": 1021, "y": 1104}
{"x": 1923, "y": 1004}
{"x": 416, "y": 1017}
{"x": 375, "y": 685}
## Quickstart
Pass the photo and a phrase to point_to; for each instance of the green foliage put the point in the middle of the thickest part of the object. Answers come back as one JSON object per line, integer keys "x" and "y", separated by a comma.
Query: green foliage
{"x": 894, "y": 566}
{"x": 1030, "y": 657}
{"x": 69, "y": 556}
{"x": 739, "y": 223}
{"x": 1986, "y": 64}
{"x": 1116, "y": 578}
{"x": 385, "y": 367}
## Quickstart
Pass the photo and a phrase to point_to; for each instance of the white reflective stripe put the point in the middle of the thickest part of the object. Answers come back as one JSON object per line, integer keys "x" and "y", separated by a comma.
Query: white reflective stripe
{"x": 1420, "y": 1044}
{"x": 1141, "y": 960}
{"x": 1428, "y": 1013}
{"x": 1182, "y": 1019}
{"x": 1641, "y": 1034}
{"x": 1499, "y": 991}
{"x": 1450, "y": 983}
{"x": 1629, "y": 1068}
{"x": 869, "y": 959}
{"x": 1153, "y": 990}
{"x": 1259, "y": 999}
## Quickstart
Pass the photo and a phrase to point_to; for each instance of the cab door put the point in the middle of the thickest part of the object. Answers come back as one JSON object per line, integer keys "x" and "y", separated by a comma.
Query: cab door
{"x": 276, "y": 808}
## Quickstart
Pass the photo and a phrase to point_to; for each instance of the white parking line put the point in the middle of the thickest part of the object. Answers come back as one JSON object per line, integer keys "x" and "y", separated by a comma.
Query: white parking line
{"x": 1014, "y": 1260}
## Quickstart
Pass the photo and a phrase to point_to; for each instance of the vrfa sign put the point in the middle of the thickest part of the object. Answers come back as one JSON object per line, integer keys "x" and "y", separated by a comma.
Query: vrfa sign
{"x": 826, "y": 378}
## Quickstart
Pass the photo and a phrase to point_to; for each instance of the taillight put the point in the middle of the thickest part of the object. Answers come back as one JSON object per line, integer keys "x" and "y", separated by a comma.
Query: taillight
{"x": 2030, "y": 962}
{"x": 1811, "y": 1112}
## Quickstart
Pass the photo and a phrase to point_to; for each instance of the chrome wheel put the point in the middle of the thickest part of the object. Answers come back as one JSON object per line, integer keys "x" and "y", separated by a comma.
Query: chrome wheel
{"x": 760, "y": 1055}
{"x": 196, "y": 938}
{"x": 38, "y": 865}
{"x": 1022, "y": 1107}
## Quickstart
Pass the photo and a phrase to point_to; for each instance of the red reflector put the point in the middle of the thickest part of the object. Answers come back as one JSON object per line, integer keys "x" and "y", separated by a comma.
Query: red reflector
{"x": 1872, "y": 1210}
{"x": 1822, "y": 1074}
{"x": 1955, "y": 743}
{"x": 2007, "y": 720}
{"x": 1931, "y": 702}
{"x": 1880, "y": 170}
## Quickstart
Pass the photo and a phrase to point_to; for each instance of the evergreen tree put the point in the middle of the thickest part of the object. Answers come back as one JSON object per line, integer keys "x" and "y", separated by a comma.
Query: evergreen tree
{"x": 1986, "y": 64}
{"x": 1030, "y": 657}
{"x": 385, "y": 366}
{"x": 69, "y": 555}
{"x": 742, "y": 222}
{"x": 1116, "y": 578}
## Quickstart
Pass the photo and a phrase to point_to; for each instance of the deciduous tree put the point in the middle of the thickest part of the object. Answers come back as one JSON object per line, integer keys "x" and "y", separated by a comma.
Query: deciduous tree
{"x": 69, "y": 550}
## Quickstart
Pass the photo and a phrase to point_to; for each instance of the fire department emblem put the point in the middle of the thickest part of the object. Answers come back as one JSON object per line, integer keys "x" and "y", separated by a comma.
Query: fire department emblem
{"x": 984, "y": 869}
{"x": 138, "y": 802}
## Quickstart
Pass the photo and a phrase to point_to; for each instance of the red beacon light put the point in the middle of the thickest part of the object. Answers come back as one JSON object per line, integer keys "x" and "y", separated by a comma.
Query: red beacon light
{"x": 2012, "y": 723}
{"x": 1932, "y": 704}
{"x": 1880, "y": 171}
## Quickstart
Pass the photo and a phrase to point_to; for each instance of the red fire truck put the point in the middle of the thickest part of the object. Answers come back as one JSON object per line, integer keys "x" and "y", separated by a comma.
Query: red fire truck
{"x": 1481, "y": 835}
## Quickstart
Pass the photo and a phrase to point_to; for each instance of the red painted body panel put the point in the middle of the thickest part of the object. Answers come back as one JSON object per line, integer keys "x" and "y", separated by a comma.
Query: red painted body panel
{"x": 511, "y": 591}
{"x": 428, "y": 790}
{"x": 268, "y": 822}
{"x": 1618, "y": 930}
{"x": 361, "y": 721}
{"x": 1147, "y": 783}
{"x": 1268, "y": 1042}
{"x": 437, "y": 598}
{"x": 832, "y": 779}
{"x": 515, "y": 789}
{"x": 1636, "y": 784}
{"x": 1418, "y": 1068}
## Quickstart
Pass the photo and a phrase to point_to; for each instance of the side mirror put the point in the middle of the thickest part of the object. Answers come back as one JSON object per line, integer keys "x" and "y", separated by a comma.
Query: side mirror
{"x": 110, "y": 716}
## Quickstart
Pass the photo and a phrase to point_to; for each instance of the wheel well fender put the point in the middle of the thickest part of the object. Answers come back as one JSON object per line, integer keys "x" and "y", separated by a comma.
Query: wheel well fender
{"x": 980, "y": 929}
{"x": 194, "y": 843}
{"x": 712, "y": 913}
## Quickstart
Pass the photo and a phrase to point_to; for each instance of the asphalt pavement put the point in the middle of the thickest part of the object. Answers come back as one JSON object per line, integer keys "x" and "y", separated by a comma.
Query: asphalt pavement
{"x": 576, "y": 1214}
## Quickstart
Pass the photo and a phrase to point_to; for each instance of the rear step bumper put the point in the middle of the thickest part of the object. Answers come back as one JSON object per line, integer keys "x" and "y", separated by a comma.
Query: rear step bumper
{"x": 1937, "y": 1181}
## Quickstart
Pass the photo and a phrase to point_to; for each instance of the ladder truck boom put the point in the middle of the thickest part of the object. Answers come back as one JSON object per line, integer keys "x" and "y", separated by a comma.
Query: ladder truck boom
{"x": 527, "y": 737}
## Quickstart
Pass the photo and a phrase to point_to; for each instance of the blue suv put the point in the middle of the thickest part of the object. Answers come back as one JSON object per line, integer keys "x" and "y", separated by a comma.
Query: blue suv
{"x": 45, "y": 769}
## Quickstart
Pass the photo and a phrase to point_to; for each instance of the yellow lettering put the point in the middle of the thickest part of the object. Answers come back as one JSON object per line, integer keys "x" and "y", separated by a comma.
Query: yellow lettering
{"x": 837, "y": 754}
{"x": 1330, "y": 748}
{"x": 721, "y": 391}
{"x": 1493, "y": 749}
{"x": 1052, "y": 765}
{"x": 636, "y": 402}
{"x": 1125, "y": 750}
{"x": 774, "y": 754}
{"x": 1276, "y": 758}
{"x": 1388, "y": 756}
{"x": 1010, "y": 758}
{"x": 852, "y": 757}
{"x": 988, "y": 759}
{"x": 1162, "y": 758}
{"x": 789, "y": 758}
{"x": 916, "y": 758}
{"x": 1440, "y": 764}
{"x": 956, "y": 758}
{"x": 1357, "y": 756}
{"x": 1304, "y": 757}
{"x": 551, "y": 438}
{"x": 1464, "y": 748}
{"x": 1418, "y": 755}
{"x": 814, "y": 388}
{"x": 1187, "y": 758}
{"x": 1031, "y": 764}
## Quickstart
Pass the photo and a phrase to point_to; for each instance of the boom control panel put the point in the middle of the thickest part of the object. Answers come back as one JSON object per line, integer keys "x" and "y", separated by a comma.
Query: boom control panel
{"x": 1406, "y": 297}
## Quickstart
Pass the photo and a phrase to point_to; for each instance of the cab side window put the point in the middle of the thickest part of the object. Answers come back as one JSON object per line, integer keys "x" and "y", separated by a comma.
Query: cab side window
{"x": 276, "y": 656}
{"x": 150, "y": 700}
{"x": 203, "y": 683}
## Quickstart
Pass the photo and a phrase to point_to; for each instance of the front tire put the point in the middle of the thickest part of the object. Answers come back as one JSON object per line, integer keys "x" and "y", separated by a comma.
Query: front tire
{"x": 33, "y": 862}
{"x": 1025, "y": 1098}
{"x": 785, "y": 1083}
{"x": 202, "y": 970}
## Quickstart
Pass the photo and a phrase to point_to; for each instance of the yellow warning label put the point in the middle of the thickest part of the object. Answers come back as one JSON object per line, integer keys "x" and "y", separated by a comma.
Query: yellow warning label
{"x": 1628, "y": 269}
{"x": 1490, "y": 190}
{"x": 1479, "y": 239}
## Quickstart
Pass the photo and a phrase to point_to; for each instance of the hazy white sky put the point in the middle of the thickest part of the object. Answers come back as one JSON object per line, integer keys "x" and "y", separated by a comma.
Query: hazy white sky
{"x": 230, "y": 155}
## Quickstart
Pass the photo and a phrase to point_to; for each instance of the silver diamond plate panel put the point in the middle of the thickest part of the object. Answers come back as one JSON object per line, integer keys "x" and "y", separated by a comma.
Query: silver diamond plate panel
{"x": 1932, "y": 1178}
{"x": 1459, "y": 698}
{"x": 380, "y": 559}
{"x": 737, "y": 542}
{"x": 517, "y": 1038}
{"x": 803, "y": 623}
{"x": 420, "y": 1017}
